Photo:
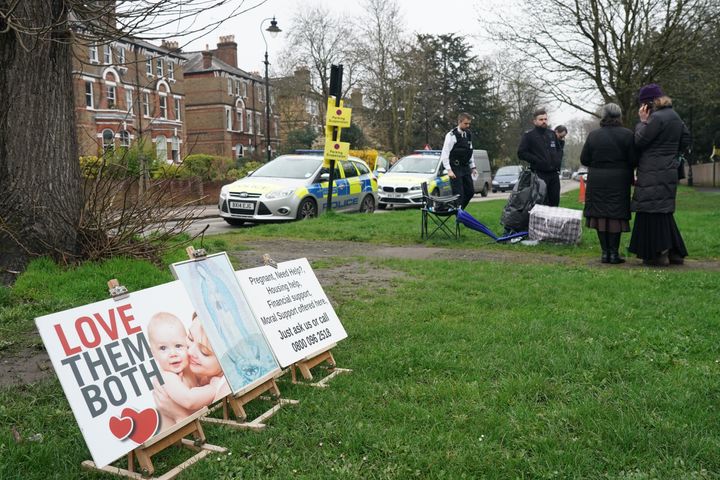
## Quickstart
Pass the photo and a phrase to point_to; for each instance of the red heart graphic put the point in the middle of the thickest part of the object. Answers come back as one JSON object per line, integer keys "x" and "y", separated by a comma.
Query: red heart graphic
{"x": 146, "y": 423}
{"x": 121, "y": 427}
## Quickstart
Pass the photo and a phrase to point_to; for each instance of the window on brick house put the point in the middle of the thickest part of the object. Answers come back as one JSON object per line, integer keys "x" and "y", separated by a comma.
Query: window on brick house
{"x": 108, "y": 55}
{"x": 249, "y": 122}
{"x": 163, "y": 106}
{"x": 175, "y": 144}
{"x": 228, "y": 118}
{"x": 159, "y": 67}
{"x": 93, "y": 53}
{"x": 161, "y": 148}
{"x": 124, "y": 139}
{"x": 108, "y": 139}
{"x": 111, "y": 96}
{"x": 146, "y": 104}
{"x": 177, "y": 109}
{"x": 239, "y": 152}
{"x": 89, "y": 101}
{"x": 148, "y": 66}
{"x": 129, "y": 101}
{"x": 171, "y": 70}
{"x": 121, "y": 56}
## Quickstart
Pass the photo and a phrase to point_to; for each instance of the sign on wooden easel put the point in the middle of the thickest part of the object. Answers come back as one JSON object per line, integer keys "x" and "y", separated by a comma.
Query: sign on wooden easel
{"x": 296, "y": 316}
{"x": 232, "y": 330}
{"x": 125, "y": 364}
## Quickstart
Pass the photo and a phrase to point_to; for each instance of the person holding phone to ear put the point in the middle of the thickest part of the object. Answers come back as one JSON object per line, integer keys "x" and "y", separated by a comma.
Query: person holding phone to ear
{"x": 660, "y": 137}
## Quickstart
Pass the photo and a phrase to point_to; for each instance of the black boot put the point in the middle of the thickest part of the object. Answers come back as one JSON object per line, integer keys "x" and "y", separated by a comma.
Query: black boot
{"x": 614, "y": 247}
{"x": 605, "y": 257}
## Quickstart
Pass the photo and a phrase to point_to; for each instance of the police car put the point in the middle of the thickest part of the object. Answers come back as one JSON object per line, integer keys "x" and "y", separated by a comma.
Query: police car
{"x": 401, "y": 184}
{"x": 296, "y": 187}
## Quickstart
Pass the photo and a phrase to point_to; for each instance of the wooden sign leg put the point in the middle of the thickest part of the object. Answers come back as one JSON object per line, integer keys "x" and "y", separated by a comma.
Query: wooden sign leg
{"x": 237, "y": 406}
{"x": 309, "y": 363}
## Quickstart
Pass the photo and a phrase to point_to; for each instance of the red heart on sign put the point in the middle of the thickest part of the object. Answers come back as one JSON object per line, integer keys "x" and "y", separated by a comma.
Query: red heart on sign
{"x": 121, "y": 427}
{"x": 146, "y": 423}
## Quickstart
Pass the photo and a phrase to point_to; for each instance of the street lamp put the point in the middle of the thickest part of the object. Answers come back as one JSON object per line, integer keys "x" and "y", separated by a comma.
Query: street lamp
{"x": 273, "y": 30}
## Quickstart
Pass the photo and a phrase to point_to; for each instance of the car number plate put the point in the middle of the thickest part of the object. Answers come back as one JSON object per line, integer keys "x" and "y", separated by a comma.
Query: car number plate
{"x": 241, "y": 205}
{"x": 504, "y": 184}
{"x": 395, "y": 195}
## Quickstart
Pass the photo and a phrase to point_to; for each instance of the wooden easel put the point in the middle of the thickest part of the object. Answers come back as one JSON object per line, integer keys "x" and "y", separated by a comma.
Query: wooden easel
{"x": 173, "y": 436}
{"x": 308, "y": 363}
{"x": 236, "y": 402}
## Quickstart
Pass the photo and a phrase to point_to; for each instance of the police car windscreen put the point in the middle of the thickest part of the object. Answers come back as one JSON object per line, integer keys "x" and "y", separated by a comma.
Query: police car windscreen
{"x": 417, "y": 164}
{"x": 289, "y": 166}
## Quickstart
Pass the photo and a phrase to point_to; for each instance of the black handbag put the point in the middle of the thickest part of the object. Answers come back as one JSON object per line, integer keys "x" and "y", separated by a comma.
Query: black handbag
{"x": 681, "y": 167}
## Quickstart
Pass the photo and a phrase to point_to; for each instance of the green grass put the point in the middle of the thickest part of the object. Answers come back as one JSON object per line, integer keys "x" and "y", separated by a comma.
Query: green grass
{"x": 460, "y": 369}
{"x": 698, "y": 214}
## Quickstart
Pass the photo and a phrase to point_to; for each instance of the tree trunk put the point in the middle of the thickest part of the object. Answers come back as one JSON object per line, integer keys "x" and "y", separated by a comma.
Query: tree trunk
{"x": 40, "y": 197}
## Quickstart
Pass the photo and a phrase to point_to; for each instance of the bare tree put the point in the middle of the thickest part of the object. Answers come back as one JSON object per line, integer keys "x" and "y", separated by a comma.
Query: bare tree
{"x": 41, "y": 197}
{"x": 380, "y": 49}
{"x": 318, "y": 40}
{"x": 604, "y": 48}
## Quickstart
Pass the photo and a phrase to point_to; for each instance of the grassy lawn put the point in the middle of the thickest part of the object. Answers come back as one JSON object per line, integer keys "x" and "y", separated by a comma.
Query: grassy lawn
{"x": 698, "y": 217}
{"x": 461, "y": 369}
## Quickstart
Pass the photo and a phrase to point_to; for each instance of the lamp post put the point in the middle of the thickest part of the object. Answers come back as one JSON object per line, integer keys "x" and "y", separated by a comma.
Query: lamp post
{"x": 273, "y": 30}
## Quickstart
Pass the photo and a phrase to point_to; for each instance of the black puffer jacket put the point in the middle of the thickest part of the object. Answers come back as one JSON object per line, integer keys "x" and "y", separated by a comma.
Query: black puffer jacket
{"x": 659, "y": 141}
{"x": 539, "y": 147}
{"x": 609, "y": 152}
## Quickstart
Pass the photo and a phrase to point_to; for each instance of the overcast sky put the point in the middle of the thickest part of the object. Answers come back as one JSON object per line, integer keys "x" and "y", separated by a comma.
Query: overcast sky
{"x": 419, "y": 16}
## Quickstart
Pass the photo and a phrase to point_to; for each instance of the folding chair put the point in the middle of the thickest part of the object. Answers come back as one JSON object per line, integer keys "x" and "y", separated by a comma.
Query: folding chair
{"x": 439, "y": 210}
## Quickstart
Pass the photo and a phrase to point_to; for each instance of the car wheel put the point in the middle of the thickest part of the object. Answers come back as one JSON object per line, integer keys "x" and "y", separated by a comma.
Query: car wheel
{"x": 382, "y": 206}
{"x": 368, "y": 204}
{"x": 484, "y": 191}
{"x": 494, "y": 191}
{"x": 307, "y": 209}
{"x": 236, "y": 222}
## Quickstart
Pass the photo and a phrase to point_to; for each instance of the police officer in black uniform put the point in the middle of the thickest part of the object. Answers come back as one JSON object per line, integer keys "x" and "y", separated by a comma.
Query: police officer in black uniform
{"x": 457, "y": 159}
{"x": 541, "y": 148}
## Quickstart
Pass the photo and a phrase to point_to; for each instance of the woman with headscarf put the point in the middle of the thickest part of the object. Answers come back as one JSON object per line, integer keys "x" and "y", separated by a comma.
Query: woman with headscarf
{"x": 609, "y": 154}
{"x": 660, "y": 137}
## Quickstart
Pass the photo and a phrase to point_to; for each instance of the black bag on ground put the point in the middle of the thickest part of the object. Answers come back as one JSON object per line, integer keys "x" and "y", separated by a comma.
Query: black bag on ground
{"x": 529, "y": 190}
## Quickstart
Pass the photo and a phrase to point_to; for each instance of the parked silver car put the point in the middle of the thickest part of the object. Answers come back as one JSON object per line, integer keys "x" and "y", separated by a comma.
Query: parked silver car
{"x": 506, "y": 178}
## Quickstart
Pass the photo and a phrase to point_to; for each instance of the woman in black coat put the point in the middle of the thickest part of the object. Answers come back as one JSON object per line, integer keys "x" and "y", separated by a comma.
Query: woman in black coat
{"x": 609, "y": 152}
{"x": 659, "y": 138}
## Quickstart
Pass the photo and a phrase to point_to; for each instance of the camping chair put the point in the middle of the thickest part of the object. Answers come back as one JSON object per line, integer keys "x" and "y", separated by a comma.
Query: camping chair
{"x": 439, "y": 210}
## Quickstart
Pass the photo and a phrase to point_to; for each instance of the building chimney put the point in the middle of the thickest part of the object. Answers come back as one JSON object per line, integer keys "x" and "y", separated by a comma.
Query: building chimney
{"x": 227, "y": 50}
{"x": 207, "y": 59}
{"x": 171, "y": 46}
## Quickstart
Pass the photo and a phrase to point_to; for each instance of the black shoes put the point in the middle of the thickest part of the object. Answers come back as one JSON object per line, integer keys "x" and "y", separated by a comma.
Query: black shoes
{"x": 661, "y": 260}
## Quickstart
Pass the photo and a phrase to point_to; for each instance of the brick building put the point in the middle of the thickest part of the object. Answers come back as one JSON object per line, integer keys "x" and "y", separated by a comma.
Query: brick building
{"x": 298, "y": 105}
{"x": 226, "y": 105}
{"x": 127, "y": 90}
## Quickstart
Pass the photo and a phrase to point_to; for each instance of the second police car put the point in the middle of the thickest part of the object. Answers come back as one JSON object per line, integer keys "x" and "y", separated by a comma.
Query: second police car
{"x": 296, "y": 187}
{"x": 401, "y": 185}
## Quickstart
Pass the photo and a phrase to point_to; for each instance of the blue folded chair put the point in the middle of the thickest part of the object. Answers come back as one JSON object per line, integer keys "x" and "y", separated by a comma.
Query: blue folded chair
{"x": 475, "y": 224}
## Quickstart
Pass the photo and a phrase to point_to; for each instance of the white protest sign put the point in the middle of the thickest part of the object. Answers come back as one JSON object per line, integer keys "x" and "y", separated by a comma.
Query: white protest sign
{"x": 111, "y": 355}
{"x": 292, "y": 309}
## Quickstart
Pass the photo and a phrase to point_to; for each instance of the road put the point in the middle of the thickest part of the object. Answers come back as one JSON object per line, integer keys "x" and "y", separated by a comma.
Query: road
{"x": 215, "y": 225}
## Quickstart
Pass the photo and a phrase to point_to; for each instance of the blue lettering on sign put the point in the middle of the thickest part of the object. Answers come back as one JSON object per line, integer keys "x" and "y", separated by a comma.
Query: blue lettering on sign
{"x": 341, "y": 203}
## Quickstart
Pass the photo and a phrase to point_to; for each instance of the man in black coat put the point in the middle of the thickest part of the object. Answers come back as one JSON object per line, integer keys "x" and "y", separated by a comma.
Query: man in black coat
{"x": 540, "y": 148}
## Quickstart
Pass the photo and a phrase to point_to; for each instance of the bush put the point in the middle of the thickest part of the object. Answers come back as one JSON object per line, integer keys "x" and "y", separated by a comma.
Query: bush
{"x": 120, "y": 163}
